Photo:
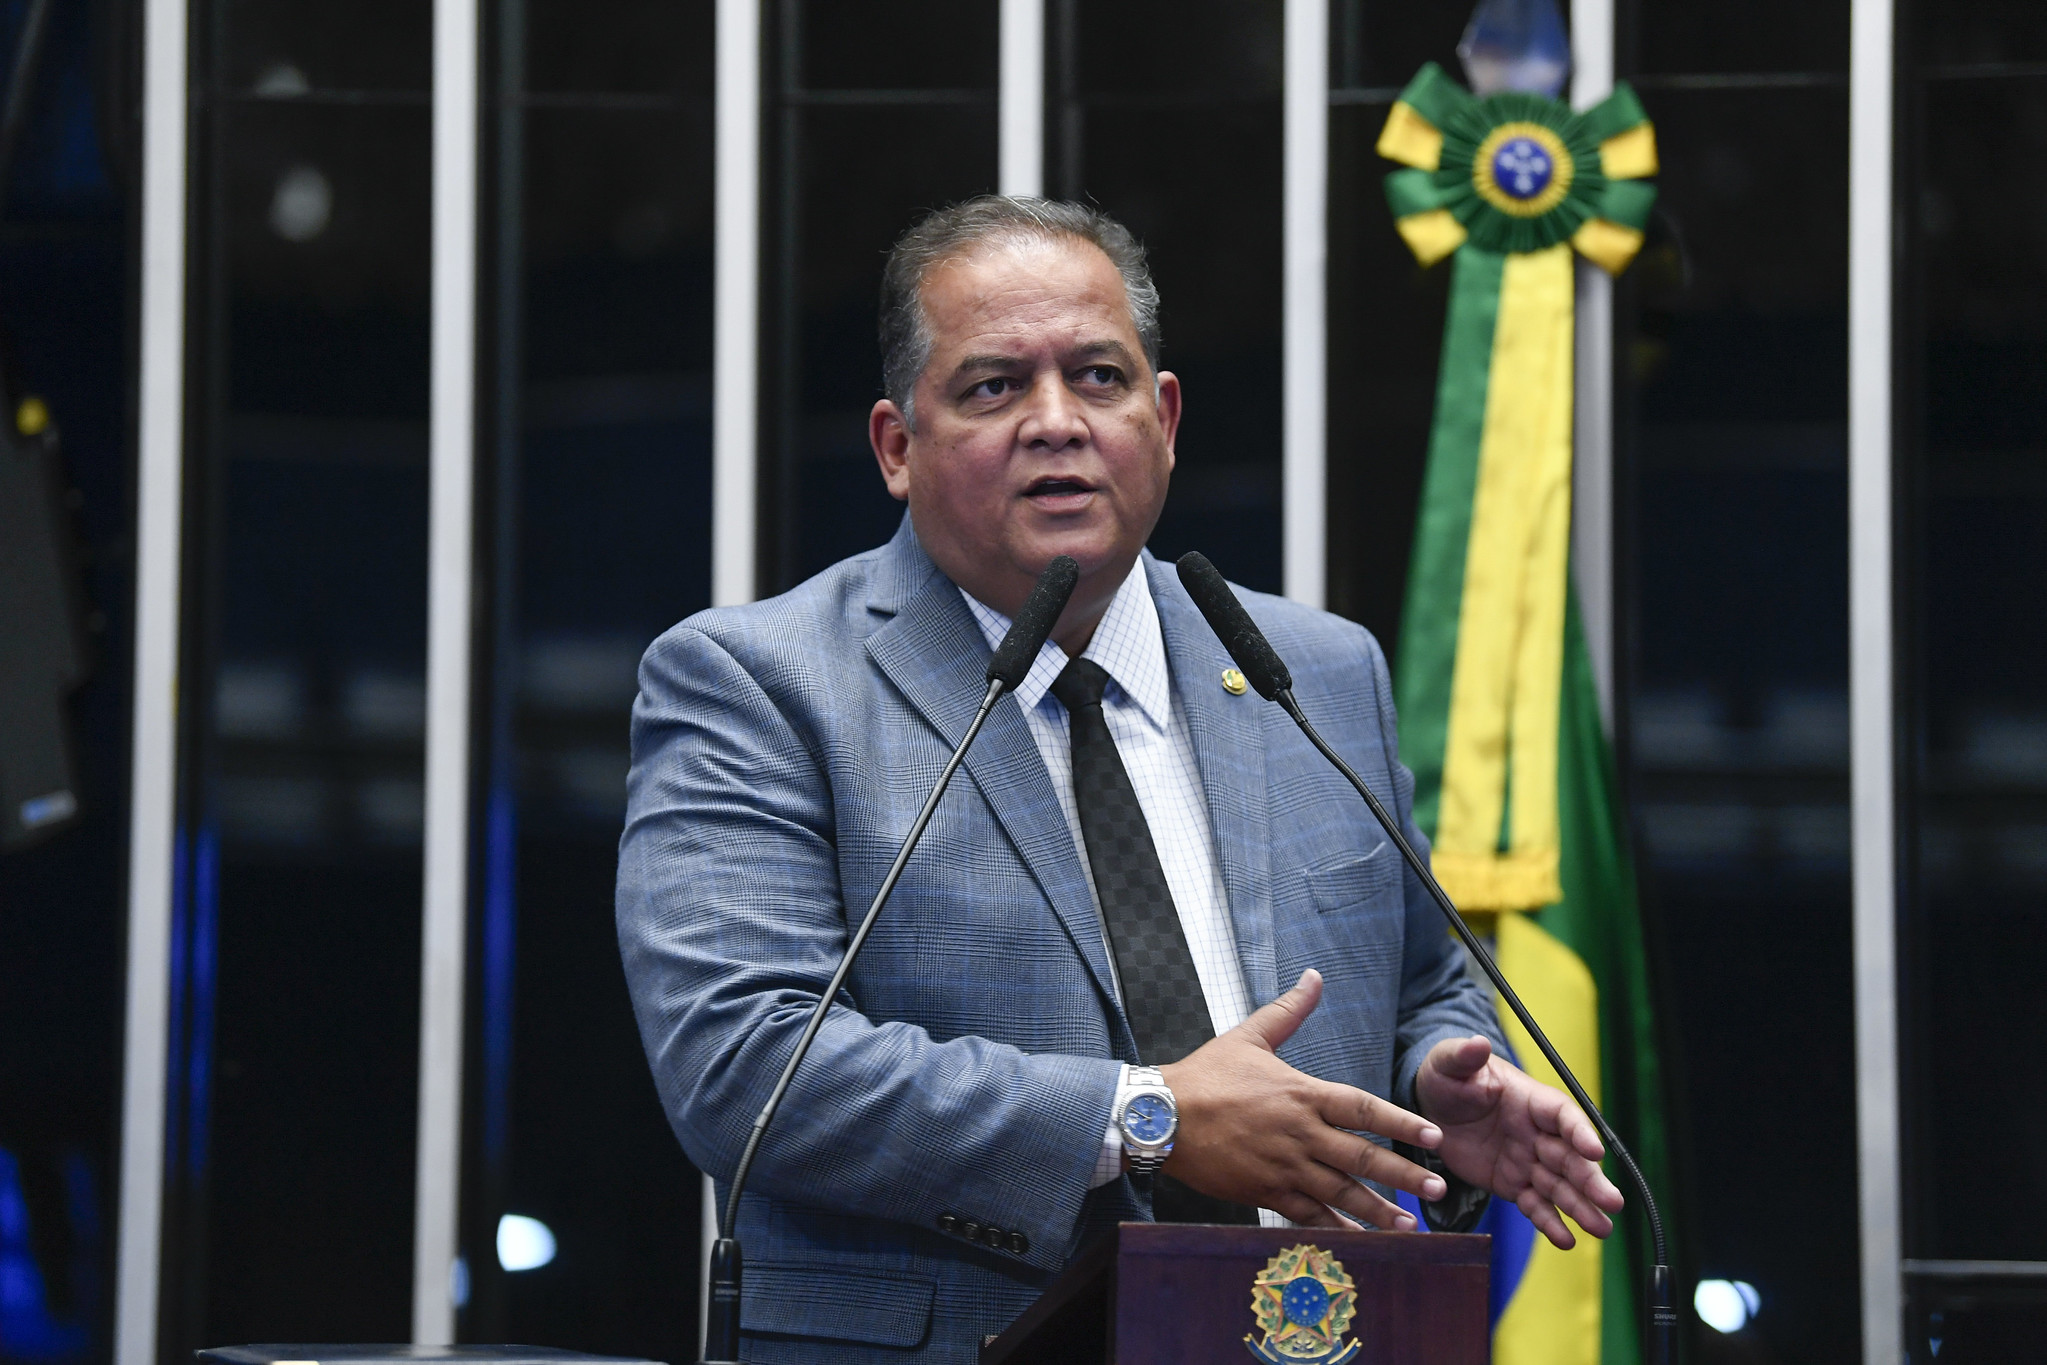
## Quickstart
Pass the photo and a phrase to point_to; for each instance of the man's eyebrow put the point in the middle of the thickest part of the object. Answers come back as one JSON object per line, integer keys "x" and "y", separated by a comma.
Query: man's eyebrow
{"x": 988, "y": 362}
{"x": 1109, "y": 348}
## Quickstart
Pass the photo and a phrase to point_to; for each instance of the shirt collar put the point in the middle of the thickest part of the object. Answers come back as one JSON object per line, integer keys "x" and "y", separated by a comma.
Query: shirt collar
{"x": 1128, "y": 644}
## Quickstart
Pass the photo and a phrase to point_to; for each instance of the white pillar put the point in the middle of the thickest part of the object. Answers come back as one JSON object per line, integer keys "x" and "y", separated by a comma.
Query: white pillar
{"x": 1020, "y": 160}
{"x": 1304, "y": 474}
{"x": 735, "y": 365}
{"x": 735, "y": 323}
{"x": 1871, "y": 696}
{"x": 1592, "y": 408}
{"x": 444, "y": 918}
{"x": 152, "y": 829}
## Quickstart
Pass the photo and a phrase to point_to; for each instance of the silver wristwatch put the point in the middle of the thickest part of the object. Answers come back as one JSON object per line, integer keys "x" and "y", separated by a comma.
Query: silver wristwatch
{"x": 1148, "y": 1119}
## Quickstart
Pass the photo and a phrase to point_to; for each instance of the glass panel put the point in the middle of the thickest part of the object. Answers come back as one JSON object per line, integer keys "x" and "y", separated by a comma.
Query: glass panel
{"x": 296, "y": 978}
{"x": 1736, "y": 37}
{"x": 1731, "y": 345}
{"x": 1385, "y": 337}
{"x": 1220, "y": 49}
{"x": 1142, "y": 132}
{"x": 616, "y": 46}
{"x": 600, "y": 441}
{"x": 850, "y": 207}
{"x": 66, "y": 626}
{"x": 918, "y": 45}
{"x": 1976, "y": 568}
{"x": 1219, "y": 278}
{"x": 1956, "y": 33}
{"x": 855, "y": 159}
{"x": 1378, "y": 45}
{"x": 285, "y": 48}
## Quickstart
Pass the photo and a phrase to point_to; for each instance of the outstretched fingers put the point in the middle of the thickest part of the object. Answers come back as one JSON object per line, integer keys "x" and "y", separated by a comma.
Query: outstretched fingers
{"x": 1346, "y": 1106}
{"x": 1310, "y": 1213}
{"x": 1556, "y": 1112}
{"x": 1571, "y": 1201}
{"x": 1547, "y": 1220}
{"x": 1338, "y": 1191}
{"x": 1573, "y": 1170}
{"x": 1358, "y": 1156}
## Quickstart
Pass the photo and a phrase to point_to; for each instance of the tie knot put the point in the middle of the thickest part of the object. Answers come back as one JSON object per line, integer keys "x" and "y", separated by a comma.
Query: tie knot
{"x": 1081, "y": 683}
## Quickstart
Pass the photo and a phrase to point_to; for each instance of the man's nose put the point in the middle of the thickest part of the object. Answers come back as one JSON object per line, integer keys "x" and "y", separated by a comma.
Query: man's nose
{"x": 1052, "y": 417}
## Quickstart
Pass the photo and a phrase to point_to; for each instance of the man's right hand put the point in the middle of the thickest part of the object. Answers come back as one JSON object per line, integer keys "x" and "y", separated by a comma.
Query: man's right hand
{"x": 1255, "y": 1131}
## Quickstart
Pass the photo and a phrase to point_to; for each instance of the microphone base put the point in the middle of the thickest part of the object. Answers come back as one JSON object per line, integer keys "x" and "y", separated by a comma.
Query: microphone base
{"x": 721, "y": 1327}
{"x": 1662, "y": 1334}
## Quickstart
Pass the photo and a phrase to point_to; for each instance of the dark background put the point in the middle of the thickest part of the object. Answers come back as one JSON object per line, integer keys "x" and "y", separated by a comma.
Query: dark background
{"x": 296, "y": 973}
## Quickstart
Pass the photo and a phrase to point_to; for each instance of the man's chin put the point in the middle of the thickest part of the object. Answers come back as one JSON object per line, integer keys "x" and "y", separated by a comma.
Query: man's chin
{"x": 1093, "y": 548}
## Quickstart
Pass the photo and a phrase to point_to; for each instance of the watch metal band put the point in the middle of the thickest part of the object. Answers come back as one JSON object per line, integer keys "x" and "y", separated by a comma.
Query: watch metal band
{"x": 1143, "y": 1160}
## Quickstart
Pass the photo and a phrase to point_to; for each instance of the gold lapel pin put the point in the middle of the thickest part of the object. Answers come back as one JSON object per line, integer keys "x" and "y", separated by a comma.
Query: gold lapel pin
{"x": 1233, "y": 682}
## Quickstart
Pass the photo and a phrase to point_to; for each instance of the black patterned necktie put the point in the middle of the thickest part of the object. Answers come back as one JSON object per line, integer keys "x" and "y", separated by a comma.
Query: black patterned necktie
{"x": 1161, "y": 990}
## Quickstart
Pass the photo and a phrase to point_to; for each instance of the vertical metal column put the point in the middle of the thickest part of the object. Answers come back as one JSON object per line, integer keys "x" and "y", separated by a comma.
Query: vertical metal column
{"x": 1592, "y": 406}
{"x": 735, "y": 324}
{"x": 1304, "y": 506}
{"x": 1871, "y": 690}
{"x": 1020, "y": 155}
{"x": 444, "y": 920}
{"x": 152, "y": 830}
{"x": 735, "y": 368}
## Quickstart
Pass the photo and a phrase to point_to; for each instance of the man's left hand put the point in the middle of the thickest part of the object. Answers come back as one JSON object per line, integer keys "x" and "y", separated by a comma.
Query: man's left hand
{"x": 1523, "y": 1140}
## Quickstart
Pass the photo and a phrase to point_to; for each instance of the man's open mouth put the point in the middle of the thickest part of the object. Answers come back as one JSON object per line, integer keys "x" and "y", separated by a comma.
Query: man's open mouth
{"x": 1057, "y": 487}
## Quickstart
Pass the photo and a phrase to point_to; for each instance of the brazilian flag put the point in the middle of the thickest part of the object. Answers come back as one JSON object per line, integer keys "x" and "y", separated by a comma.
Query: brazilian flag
{"x": 1499, "y": 717}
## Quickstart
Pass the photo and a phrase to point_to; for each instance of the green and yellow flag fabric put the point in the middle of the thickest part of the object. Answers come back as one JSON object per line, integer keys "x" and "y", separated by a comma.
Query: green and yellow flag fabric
{"x": 1499, "y": 717}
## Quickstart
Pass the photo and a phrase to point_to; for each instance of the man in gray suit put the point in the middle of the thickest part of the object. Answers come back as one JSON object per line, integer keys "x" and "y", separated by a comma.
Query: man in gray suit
{"x": 1153, "y": 955}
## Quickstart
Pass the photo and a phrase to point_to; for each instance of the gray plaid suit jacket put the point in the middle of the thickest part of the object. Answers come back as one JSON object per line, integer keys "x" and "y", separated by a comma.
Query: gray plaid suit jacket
{"x": 780, "y": 752}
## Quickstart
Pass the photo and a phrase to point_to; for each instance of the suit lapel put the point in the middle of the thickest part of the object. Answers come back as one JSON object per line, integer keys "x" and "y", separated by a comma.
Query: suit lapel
{"x": 935, "y": 655}
{"x": 1229, "y": 751}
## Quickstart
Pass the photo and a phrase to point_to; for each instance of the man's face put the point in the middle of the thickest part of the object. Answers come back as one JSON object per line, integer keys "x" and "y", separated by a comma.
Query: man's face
{"x": 1039, "y": 431}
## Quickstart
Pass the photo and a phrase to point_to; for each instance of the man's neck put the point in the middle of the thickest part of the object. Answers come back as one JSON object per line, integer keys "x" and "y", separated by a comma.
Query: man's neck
{"x": 1091, "y": 601}
{"x": 1092, "y": 597}
{"x": 1074, "y": 638}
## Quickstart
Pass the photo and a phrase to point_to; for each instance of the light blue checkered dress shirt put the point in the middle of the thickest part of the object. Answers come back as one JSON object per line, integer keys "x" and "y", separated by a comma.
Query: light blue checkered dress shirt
{"x": 1158, "y": 752}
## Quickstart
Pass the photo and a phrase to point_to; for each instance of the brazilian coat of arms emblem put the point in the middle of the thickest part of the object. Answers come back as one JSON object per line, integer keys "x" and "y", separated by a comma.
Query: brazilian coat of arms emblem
{"x": 1303, "y": 1301}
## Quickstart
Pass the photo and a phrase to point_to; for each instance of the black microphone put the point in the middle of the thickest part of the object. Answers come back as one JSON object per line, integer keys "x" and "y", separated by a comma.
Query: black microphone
{"x": 1262, "y": 668}
{"x": 1006, "y": 670}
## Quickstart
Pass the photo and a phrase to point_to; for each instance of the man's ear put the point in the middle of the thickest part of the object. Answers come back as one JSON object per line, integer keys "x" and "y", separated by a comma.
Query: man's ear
{"x": 1169, "y": 409}
{"x": 889, "y": 434}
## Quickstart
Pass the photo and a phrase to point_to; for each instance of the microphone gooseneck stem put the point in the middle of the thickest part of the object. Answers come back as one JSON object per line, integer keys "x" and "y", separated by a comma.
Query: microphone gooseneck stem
{"x": 721, "y": 1335}
{"x": 1662, "y": 1324}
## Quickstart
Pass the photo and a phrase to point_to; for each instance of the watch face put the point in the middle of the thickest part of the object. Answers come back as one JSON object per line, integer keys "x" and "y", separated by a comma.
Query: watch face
{"x": 1148, "y": 1118}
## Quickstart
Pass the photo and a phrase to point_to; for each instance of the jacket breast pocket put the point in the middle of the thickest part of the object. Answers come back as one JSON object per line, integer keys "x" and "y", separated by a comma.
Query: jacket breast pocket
{"x": 1370, "y": 882}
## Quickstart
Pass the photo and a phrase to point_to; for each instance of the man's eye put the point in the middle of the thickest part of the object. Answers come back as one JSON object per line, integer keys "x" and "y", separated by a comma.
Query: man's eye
{"x": 1101, "y": 374}
{"x": 992, "y": 388}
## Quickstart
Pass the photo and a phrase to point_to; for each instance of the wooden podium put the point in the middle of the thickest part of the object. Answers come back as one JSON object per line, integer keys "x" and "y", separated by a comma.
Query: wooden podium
{"x": 1155, "y": 1293}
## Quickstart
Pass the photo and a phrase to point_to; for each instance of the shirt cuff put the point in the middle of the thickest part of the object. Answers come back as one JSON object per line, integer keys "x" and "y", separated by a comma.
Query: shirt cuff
{"x": 1109, "y": 1162}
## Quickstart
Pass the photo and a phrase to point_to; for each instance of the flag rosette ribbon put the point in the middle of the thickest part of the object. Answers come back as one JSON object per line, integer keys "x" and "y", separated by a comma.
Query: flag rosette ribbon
{"x": 1518, "y": 172}
{"x": 1499, "y": 714}
{"x": 1508, "y": 185}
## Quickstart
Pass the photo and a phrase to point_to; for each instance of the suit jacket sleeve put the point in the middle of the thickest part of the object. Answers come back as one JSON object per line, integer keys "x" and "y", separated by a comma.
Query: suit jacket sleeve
{"x": 1438, "y": 997}
{"x": 730, "y": 922}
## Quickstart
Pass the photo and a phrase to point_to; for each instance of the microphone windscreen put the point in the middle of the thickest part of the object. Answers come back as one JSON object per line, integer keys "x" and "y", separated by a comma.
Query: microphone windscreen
{"x": 1233, "y": 626}
{"x": 1027, "y": 633}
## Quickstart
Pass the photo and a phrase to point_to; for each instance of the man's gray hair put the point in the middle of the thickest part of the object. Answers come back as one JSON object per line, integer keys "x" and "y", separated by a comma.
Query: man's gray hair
{"x": 948, "y": 234}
